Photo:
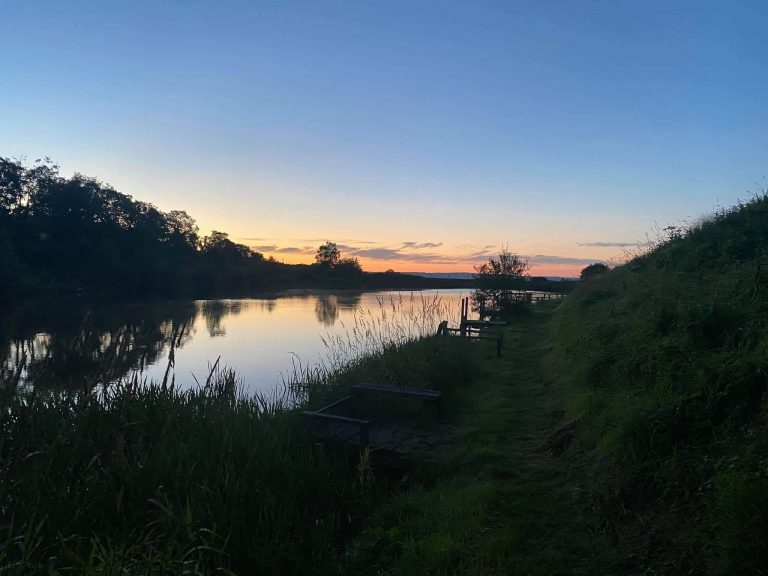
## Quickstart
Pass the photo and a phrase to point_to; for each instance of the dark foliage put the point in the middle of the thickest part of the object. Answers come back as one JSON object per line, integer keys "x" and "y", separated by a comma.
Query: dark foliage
{"x": 79, "y": 236}
{"x": 593, "y": 270}
{"x": 499, "y": 281}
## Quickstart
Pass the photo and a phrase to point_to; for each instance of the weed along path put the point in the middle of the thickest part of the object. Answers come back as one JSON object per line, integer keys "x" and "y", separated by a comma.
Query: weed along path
{"x": 493, "y": 497}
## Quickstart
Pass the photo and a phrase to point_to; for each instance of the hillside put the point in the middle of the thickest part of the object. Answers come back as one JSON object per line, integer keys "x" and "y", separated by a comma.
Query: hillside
{"x": 662, "y": 364}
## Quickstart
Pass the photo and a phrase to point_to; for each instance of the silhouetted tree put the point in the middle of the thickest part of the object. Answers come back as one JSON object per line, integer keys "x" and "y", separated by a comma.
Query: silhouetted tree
{"x": 502, "y": 269}
{"x": 593, "y": 270}
{"x": 328, "y": 255}
{"x": 181, "y": 229}
{"x": 348, "y": 267}
{"x": 219, "y": 246}
{"x": 496, "y": 278}
{"x": 11, "y": 175}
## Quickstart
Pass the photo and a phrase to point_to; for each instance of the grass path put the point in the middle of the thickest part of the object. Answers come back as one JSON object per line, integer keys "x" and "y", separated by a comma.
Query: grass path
{"x": 499, "y": 501}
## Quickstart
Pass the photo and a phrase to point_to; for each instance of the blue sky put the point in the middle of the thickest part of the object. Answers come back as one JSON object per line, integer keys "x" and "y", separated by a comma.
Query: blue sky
{"x": 419, "y": 135}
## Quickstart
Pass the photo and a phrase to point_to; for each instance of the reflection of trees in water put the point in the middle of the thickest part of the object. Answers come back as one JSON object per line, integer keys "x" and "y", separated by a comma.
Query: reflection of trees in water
{"x": 215, "y": 310}
{"x": 327, "y": 305}
{"x": 95, "y": 348}
{"x": 349, "y": 300}
{"x": 267, "y": 305}
{"x": 327, "y": 309}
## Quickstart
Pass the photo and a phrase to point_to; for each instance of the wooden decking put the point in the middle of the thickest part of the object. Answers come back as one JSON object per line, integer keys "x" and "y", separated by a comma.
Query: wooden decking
{"x": 340, "y": 428}
{"x": 338, "y": 422}
{"x": 428, "y": 395}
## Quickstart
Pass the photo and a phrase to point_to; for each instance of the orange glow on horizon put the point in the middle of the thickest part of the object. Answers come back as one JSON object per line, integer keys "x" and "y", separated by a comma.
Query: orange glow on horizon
{"x": 455, "y": 267}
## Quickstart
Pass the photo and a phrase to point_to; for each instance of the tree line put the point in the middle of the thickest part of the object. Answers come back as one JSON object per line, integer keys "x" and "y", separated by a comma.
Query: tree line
{"x": 78, "y": 235}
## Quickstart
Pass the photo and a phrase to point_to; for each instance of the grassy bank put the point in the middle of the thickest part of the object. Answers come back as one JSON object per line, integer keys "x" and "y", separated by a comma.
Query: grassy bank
{"x": 150, "y": 479}
{"x": 500, "y": 499}
{"x": 662, "y": 364}
{"x": 623, "y": 432}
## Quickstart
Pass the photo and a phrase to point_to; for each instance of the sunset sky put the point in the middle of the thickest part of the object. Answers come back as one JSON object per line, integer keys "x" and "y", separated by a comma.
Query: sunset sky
{"x": 419, "y": 136}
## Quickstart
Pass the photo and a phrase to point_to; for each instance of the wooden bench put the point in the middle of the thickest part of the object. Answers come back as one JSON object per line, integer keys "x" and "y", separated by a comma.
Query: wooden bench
{"x": 429, "y": 396}
{"x": 343, "y": 428}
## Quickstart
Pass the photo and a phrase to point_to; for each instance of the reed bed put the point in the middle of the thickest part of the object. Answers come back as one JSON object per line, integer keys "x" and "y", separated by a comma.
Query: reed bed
{"x": 390, "y": 343}
{"x": 146, "y": 478}
{"x": 397, "y": 321}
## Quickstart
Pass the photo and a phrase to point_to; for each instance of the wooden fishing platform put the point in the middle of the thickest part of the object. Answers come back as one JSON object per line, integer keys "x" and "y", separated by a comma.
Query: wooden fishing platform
{"x": 474, "y": 329}
{"x": 330, "y": 423}
{"x": 340, "y": 423}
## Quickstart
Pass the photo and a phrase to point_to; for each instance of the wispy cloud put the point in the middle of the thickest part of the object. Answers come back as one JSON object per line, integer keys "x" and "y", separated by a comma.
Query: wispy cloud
{"x": 420, "y": 245}
{"x": 294, "y": 250}
{"x": 377, "y": 253}
{"x": 547, "y": 259}
{"x": 607, "y": 244}
{"x": 275, "y": 249}
{"x": 319, "y": 241}
{"x": 484, "y": 253}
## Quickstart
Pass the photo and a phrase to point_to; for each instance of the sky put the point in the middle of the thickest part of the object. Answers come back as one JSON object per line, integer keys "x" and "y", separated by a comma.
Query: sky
{"x": 417, "y": 135}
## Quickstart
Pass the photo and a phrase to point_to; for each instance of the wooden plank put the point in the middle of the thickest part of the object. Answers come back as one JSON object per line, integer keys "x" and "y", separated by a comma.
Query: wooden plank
{"x": 335, "y": 404}
{"x": 362, "y": 426}
{"x": 420, "y": 393}
{"x": 334, "y": 417}
{"x": 426, "y": 394}
{"x": 335, "y": 431}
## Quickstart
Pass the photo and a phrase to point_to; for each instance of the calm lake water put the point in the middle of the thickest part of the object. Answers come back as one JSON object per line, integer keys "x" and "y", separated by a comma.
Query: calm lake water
{"x": 261, "y": 338}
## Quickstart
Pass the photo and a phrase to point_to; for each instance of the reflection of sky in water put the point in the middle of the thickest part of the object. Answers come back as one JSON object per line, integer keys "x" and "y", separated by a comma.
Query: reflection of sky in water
{"x": 259, "y": 338}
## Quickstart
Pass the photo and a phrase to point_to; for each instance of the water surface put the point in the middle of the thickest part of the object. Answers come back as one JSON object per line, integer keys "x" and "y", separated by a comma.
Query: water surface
{"x": 262, "y": 338}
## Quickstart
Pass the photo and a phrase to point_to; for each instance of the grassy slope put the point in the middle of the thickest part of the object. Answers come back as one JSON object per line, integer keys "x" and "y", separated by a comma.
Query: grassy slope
{"x": 663, "y": 363}
{"x": 624, "y": 432}
{"x": 500, "y": 499}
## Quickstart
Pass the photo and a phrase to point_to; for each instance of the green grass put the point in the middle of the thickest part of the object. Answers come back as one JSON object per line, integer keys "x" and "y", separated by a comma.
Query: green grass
{"x": 663, "y": 364}
{"x": 499, "y": 499}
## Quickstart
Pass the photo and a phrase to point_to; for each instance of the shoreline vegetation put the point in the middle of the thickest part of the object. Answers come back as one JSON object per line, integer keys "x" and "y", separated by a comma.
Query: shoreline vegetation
{"x": 152, "y": 479}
